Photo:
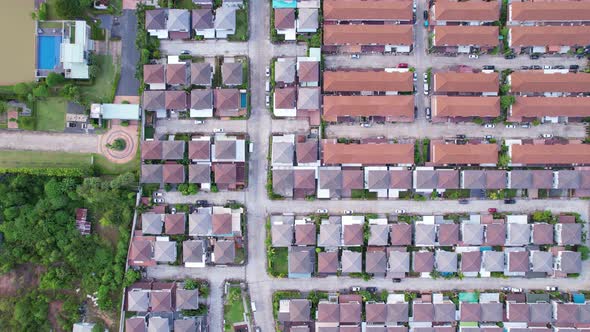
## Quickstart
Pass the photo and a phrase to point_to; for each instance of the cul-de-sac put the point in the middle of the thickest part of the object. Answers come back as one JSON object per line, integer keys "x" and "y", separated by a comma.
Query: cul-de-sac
{"x": 295, "y": 165}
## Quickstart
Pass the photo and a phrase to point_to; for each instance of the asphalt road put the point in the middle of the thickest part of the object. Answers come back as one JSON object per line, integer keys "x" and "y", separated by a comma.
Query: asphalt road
{"x": 128, "y": 84}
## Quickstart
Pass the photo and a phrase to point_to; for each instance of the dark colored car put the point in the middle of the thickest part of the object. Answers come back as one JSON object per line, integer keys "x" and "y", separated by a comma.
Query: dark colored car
{"x": 461, "y": 136}
{"x": 396, "y": 280}
{"x": 534, "y": 56}
{"x": 425, "y": 14}
{"x": 575, "y": 67}
{"x": 371, "y": 289}
{"x": 509, "y": 56}
{"x": 463, "y": 201}
{"x": 524, "y": 67}
{"x": 510, "y": 201}
{"x": 489, "y": 67}
{"x": 536, "y": 67}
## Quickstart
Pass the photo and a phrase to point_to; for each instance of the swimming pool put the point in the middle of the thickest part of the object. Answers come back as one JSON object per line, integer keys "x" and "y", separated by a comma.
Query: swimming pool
{"x": 284, "y": 4}
{"x": 48, "y": 48}
{"x": 243, "y": 100}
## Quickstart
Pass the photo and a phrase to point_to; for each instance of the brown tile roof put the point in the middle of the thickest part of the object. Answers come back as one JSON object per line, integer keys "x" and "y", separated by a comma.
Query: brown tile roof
{"x": 400, "y": 179}
{"x": 328, "y": 263}
{"x": 232, "y": 73}
{"x": 154, "y": 74}
{"x": 353, "y": 179}
{"x": 357, "y": 34}
{"x": 563, "y": 154}
{"x": 151, "y": 150}
{"x": 161, "y": 300}
{"x": 549, "y": 36}
{"x": 141, "y": 250}
{"x": 284, "y": 18}
{"x": 459, "y": 106}
{"x": 305, "y": 234}
{"x": 455, "y": 35}
{"x": 549, "y": 11}
{"x": 537, "y": 81}
{"x": 307, "y": 152}
{"x": 175, "y": 223}
{"x": 328, "y": 312}
{"x": 285, "y": 98}
{"x": 450, "y": 154}
{"x": 304, "y": 179}
{"x": 423, "y": 261}
{"x": 471, "y": 261}
{"x": 225, "y": 174}
{"x": 401, "y": 234}
{"x": 444, "y": 10}
{"x": 542, "y": 233}
{"x": 352, "y": 234}
{"x": 154, "y": 100}
{"x": 135, "y": 324}
{"x": 470, "y": 312}
{"x": 173, "y": 173}
{"x": 201, "y": 73}
{"x": 176, "y": 100}
{"x": 518, "y": 261}
{"x": 495, "y": 234}
{"x": 350, "y": 312}
{"x": 222, "y": 223}
{"x": 448, "y": 234}
{"x": 227, "y": 99}
{"x": 517, "y": 312}
{"x": 399, "y": 107}
{"x": 176, "y": 73}
{"x": 367, "y": 10}
{"x": 309, "y": 71}
{"x": 367, "y": 154}
{"x": 466, "y": 82}
{"x": 543, "y": 106}
{"x": 367, "y": 80}
{"x": 200, "y": 150}
{"x": 376, "y": 312}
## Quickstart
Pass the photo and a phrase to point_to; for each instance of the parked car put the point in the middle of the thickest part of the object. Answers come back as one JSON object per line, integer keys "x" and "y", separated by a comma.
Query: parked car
{"x": 463, "y": 201}
{"x": 559, "y": 67}
{"x": 524, "y": 67}
{"x": 546, "y": 67}
{"x": 489, "y": 67}
{"x": 158, "y": 194}
{"x": 402, "y": 65}
{"x": 425, "y": 77}
{"x": 355, "y": 289}
{"x": 348, "y": 212}
{"x": 426, "y": 88}
{"x": 322, "y": 211}
{"x": 371, "y": 289}
{"x": 173, "y": 210}
{"x": 365, "y": 125}
{"x": 267, "y": 73}
{"x": 461, "y": 136}
{"x": 415, "y": 76}
{"x": 158, "y": 200}
{"x": 547, "y": 135}
{"x": 525, "y": 125}
{"x": 492, "y": 210}
{"x": 488, "y": 137}
{"x": 428, "y": 112}
{"x": 425, "y": 23}
{"x": 574, "y": 67}
{"x": 267, "y": 101}
{"x": 509, "y": 56}
{"x": 534, "y": 56}
{"x": 505, "y": 289}
{"x": 355, "y": 56}
{"x": 425, "y": 14}
{"x": 473, "y": 56}
{"x": 400, "y": 211}
{"x": 510, "y": 126}
{"x": 510, "y": 201}
{"x": 516, "y": 290}
{"x": 202, "y": 203}
{"x": 396, "y": 280}
{"x": 552, "y": 288}
{"x": 536, "y": 67}
{"x": 185, "y": 52}
{"x": 489, "y": 125}
{"x": 199, "y": 121}
{"x": 217, "y": 130}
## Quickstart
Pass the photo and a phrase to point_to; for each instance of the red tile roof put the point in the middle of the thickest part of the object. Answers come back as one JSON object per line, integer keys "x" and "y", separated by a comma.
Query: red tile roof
{"x": 356, "y": 34}
{"x": 379, "y": 10}
{"x": 455, "y": 35}
{"x": 466, "y": 82}
{"x": 556, "y": 154}
{"x": 537, "y": 81}
{"x": 368, "y": 154}
{"x": 459, "y": 106}
{"x": 395, "y": 108}
{"x": 483, "y": 11}
{"x": 543, "y": 11}
{"x": 522, "y": 36}
{"x": 451, "y": 154}
{"x": 367, "y": 80}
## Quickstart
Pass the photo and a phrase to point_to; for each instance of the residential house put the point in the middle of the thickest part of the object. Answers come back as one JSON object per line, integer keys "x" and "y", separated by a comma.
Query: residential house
{"x": 227, "y": 103}
{"x": 470, "y": 13}
{"x": 445, "y": 261}
{"x": 307, "y": 20}
{"x": 141, "y": 252}
{"x": 398, "y": 262}
{"x": 165, "y": 251}
{"x": 428, "y": 179}
{"x": 176, "y": 101}
{"x": 177, "y": 74}
{"x": 530, "y": 179}
{"x": 357, "y": 38}
{"x": 540, "y": 13}
{"x": 162, "y": 150}
{"x": 155, "y": 76}
{"x": 523, "y": 153}
{"x": 178, "y": 23}
{"x": 328, "y": 263}
{"x": 367, "y": 153}
{"x": 232, "y": 73}
{"x": 202, "y": 23}
{"x": 201, "y": 103}
{"x": 466, "y": 83}
{"x": 551, "y": 110}
{"x": 423, "y": 262}
{"x": 201, "y": 74}
{"x": 548, "y": 39}
{"x": 390, "y": 81}
{"x": 341, "y": 108}
{"x": 224, "y": 252}
{"x": 568, "y": 262}
{"x": 282, "y": 231}
{"x": 155, "y": 22}
{"x": 135, "y": 324}
{"x": 568, "y": 234}
{"x": 387, "y": 181}
{"x": 376, "y": 262}
{"x": 225, "y": 22}
{"x": 464, "y": 108}
{"x": 284, "y": 72}
{"x": 484, "y": 179}
{"x": 294, "y": 311}
{"x": 155, "y": 101}
{"x": 301, "y": 262}
{"x": 330, "y": 235}
{"x": 463, "y": 39}
{"x": 445, "y": 154}
{"x": 285, "y": 102}
{"x": 308, "y": 72}
{"x": 284, "y": 23}
{"x": 548, "y": 83}
{"x": 351, "y": 262}
{"x": 194, "y": 253}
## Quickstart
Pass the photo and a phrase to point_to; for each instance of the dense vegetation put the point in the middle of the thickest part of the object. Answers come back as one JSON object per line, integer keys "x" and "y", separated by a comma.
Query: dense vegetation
{"x": 37, "y": 219}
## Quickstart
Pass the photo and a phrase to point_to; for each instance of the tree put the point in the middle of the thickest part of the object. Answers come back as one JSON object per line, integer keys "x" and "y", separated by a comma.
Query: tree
{"x": 54, "y": 79}
{"x": 118, "y": 144}
{"x": 71, "y": 8}
{"x": 40, "y": 91}
{"x": 506, "y": 102}
{"x": 21, "y": 90}
{"x": 71, "y": 93}
{"x": 131, "y": 276}
{"x": 3, "y": 106}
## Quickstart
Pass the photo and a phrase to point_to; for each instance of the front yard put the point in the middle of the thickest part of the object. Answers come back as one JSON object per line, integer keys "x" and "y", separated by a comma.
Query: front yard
{"x": 233, "y": 311}
{"x": 278, "y": 262}
{"x": 51, "y": 114}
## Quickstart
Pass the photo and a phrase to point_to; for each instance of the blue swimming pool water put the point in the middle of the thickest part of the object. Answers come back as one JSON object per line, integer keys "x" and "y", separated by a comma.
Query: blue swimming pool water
{"x": 48, "y": 51}
{"x": 284, "y": 4}
{"x": 243, "y": 100}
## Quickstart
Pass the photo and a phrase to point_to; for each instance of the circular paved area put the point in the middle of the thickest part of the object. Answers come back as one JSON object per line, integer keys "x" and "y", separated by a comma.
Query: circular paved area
{"x": 129, "y": 135}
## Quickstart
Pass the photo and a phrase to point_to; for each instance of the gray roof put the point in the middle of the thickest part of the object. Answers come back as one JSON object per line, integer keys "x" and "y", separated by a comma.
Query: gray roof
{"x": 173, "y": 150}
{"x": 201, "y": 73}
{"x": 224, "y": 251}
{"x": 283, "y": 152}
{"x": 378, "y": 179}
{"x": 179, "y": 19}
{"x": 397, "y": 312}
{"x": 199, "y": 173}
{"x": 200, "y": 224}
{"x": 299, "y": 310}
{"x": 151, "y": 173}
{"x": 493, "y": 261}
{"x": 375, "y": 261}
{"x": 527, "y": 179}
{"x": 424, "y": 234}
{"x": 541, "y": 261}
{"x": 165, "y": 251}
{"x": 540, "y": 312}
{"x": 571, "y": 262}
{"x": 202, "y": 19}
{"x": 201, "y": 99}
{"x": 307, "y": 18}
{"x": 225, "y": 18}
{"x": 330, "y": 235}
{"x": 308, "y": 98}
{"x": 518, "y": 234}
{"x": 155, "y": 19}
{"x": 433, "y": 179}
{"x": 351, "y": 261}
{"x": 232, "y": 73}
{"x": 444, "y": 312}
{"x": 283, "y": 182}
{"x": 152, "y": 223}
{"x": 399, "y": 261}
{"x": 285, "y": 70}
{"x": 472, "y": 234}
{"x": 158, "y": 324}
{"x": 192, "y": 251}
{"x": 484, "y": 179}
{"x": 301, "y": 260}
{"x": 492, "y": 312}
{"x": 281, "y": 234}
{"x": 187, "y": 299}
{"x": 187, "y": 324}
{"x": 446, "y": 261}
{"x": 330, "y": 179}
{"x": 83, "y": 327}
{"x": 570, "y": 234}
{"x": 569, "y": 179}
{"x": 138, "y": 300}
{"x": 379, "y": 235}
{"x": 154, "y": 100}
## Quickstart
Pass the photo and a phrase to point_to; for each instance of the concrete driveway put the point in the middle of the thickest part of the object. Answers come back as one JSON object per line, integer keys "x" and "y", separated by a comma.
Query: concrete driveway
{"x": 128, "y": 84}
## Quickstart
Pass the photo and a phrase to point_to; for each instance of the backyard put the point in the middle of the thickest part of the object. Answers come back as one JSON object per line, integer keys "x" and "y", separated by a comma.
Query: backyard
{"x": 105, "y": 83}
{"x": 233, "y": 308}
{"x": 51, "y": 114}
{"x": 278, "y": 262}
{"x": 241, "y": 25}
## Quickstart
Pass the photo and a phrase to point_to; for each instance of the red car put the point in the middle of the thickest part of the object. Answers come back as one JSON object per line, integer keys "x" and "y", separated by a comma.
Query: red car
{"x": 402, "y": 65}
{"x": 492, "y": 210}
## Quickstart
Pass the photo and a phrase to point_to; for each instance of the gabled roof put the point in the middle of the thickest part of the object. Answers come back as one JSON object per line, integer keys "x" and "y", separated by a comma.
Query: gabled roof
{"x": 187, "y": 299}
{"x": 232, "y": 73}
{"x": 154, "y": 74}
{"x": 201, "y": 73}
{"x": 165, "y": 251}
{"x": 549, "y": 11}
{"x": 466, "y": 82}
{"x": 155, "y": 19}
{"x": 423, "y": 261}
{"x": 399, "y": 261}
{"x": 558, "y": 154}
{"x": 538, "y": 81}
{"x": 367, "y": 80}
{"x": 360, "y": 34}
{"x": 176, "y": 73}
{"x": 176, "y": 100}
{"x": 542, "y": 106}
{"x": 466, "y": 11}
{"x": 398, "y": 106}
{"x": 368, "y": 153}
{"x": 328, "y": 262}
{"x": 455, "y": 35}
{"x": 401, "y": 234}
{"x": 202, "y": 19}
{"x": 154, "y": 100}
{"x": 284, "y": 18}
{"x": 224, "y": 252}
{"x": 471, "y": 261}
{"x": 351, "y": 261}
{"x": 285, "y": 70}
{"x": 522, "y": 36}
{"x": 460, "y": 106}
{"x": 367, "y": 10}
{"x": 199, "y": 173}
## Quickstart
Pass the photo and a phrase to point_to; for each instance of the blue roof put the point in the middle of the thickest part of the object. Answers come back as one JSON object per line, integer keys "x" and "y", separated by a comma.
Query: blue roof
{"x": 120, "y": 111}
{"x": 284, "y": 3}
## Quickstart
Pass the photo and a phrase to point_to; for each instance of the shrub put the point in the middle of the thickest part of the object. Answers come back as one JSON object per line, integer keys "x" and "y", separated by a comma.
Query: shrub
{"x": 118, "y": 144}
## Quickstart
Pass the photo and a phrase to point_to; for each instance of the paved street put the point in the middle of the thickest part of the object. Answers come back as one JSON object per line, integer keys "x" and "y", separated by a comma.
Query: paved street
{"x": 422, "y": 128}
{"x": 128, "y": 83}
{"x": 43, "y": 141}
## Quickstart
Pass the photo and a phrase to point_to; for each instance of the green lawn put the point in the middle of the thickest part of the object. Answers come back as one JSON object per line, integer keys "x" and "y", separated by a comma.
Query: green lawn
{"x": 51, "y": 114}
{"x": 234, "y": 308}
{"x": 241, "y": 25}
{"x": 279, "y": 265}
{"x": 105, "y": 167}
{"x": 103, "y": 89}
{"x": 39, "y": 159}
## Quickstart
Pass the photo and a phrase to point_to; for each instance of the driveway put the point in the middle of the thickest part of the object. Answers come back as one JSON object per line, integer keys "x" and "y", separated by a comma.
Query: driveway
{"x": 128, "y": 84}
{"x": 43, "y": 141}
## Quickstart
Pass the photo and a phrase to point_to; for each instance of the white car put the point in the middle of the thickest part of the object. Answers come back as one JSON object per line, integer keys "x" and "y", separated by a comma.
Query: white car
{"x": 158, "y": 200}
{"x": 267, "y": 101}
{"x": 322, "y": 211}
{"x": 510, "y": 126}
{"x": 525, "y": 125}
{"x": 488, "y": 137}
{"x": 490, "y": 125}
{"x": 546, "y": 67}
{"x": 267, "y": 71}
{"x": 355, "y": 289}
{"x": 158, "y": 194}
{"x": 400, "y": 211}
{"x": 173, "y": 210}
{"x": 415, "y": 76}
{"x": 552, "y": 288}
{"x": 217, "y": 130}
{"x": 199, "y": 121}
{"x": 547, "y": 135}
{"x": 516, "y": 290}
{"x": 355, "y": 56}
{"x": 348, "y": 212}
{"x": 473, "y": 56}
{"x": 425, "y": 77}
{"x": 365, "y": 125}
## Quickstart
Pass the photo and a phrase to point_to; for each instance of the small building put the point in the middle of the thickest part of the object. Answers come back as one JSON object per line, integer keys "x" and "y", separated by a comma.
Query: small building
{"x": 115, "y": 111}
{"x": 82, "y": 223}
